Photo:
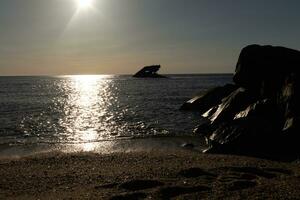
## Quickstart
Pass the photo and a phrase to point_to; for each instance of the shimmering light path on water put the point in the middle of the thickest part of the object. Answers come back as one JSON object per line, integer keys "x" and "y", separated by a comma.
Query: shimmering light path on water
{"x": 86, "y": 110}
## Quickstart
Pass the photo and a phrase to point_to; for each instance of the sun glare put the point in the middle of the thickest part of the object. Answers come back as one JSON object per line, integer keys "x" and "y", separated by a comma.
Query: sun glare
{"x": 84, "y": 4}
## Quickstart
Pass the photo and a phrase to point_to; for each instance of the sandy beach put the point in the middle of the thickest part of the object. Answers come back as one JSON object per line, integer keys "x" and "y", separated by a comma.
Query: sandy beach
{"x": 180, "y": 174}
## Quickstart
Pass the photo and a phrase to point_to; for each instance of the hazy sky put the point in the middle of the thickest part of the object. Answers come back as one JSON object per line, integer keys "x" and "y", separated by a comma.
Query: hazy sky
{"x": 49, "y": 37}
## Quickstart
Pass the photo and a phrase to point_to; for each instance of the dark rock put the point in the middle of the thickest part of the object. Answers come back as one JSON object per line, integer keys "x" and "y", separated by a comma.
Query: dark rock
{"x": 289, "y": 99}
{"x": 261, "y": 115}
{"x": 235, "y": 102}
{"x": 149, "y": 72}
{"x": 248, "y": 132}
{"x": 211, "y": 98}
{"x": 204, "y": 129}
{"x": 264, "y": 68}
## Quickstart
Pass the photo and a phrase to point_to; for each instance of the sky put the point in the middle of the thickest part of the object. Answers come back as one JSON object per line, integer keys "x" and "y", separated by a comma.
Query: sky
{"x": 55, "y": 37}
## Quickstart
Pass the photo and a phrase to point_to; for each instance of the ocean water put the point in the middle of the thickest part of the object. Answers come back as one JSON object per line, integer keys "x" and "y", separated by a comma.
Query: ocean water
{"x": 98, "y": 113}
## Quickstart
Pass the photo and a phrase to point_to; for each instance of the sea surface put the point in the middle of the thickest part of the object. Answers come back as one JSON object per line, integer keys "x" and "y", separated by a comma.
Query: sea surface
{"x": 98, "y": 113}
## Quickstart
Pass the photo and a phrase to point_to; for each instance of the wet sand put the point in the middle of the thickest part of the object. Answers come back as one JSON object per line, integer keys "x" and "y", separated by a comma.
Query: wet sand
{"x": 180, "y": 174}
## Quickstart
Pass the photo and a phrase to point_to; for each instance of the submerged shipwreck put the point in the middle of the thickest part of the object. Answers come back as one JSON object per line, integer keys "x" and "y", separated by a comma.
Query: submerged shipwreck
{"x": 149, "y": 72}
{"x": 259, "y": 113}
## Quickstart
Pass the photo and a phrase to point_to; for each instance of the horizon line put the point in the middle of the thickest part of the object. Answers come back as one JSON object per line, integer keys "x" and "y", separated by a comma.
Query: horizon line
{"x": 61, "y": 75}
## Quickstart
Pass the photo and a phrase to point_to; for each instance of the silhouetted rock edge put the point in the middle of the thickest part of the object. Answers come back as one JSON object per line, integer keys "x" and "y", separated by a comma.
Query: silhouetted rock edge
{"x": 258, "y": 115}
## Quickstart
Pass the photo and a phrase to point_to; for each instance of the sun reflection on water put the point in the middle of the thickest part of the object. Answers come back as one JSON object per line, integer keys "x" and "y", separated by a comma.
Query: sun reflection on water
{"x": 85, "y": 110}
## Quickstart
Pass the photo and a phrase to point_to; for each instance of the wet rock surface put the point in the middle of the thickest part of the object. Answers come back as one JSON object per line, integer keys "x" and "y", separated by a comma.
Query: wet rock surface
{"x": 259, "y": 114}
{"x": 211, "y": 98}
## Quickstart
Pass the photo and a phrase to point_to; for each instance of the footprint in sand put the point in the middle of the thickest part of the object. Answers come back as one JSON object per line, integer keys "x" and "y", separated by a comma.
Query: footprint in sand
{"x": 234, "y": 178}
{"x": 231, "y": 178}
{"x": 241, "y": 184}
{"x": 194, "y": 172}
{"x": 238, "y": 178}
{"x": 267, "y": 173}
{"x": 140, "y": 184}
{"x": 170, "y": 192}
{"x": 251, "y": 170}
{"x": 133, "y": 185}
{"x": 279, "y": 171}
{"x": 106, "y": 186}
{"x": 132, "y": 196}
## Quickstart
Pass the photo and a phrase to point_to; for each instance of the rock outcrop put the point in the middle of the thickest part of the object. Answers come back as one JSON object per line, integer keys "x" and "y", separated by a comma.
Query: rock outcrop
{"x": 209, "y": 99}
{"x": 149, "y": 72}
{"x": 259, "y": 114}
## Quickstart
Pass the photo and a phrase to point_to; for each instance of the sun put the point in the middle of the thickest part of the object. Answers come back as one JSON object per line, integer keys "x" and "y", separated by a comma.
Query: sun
{"x": 84, "y": 4}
